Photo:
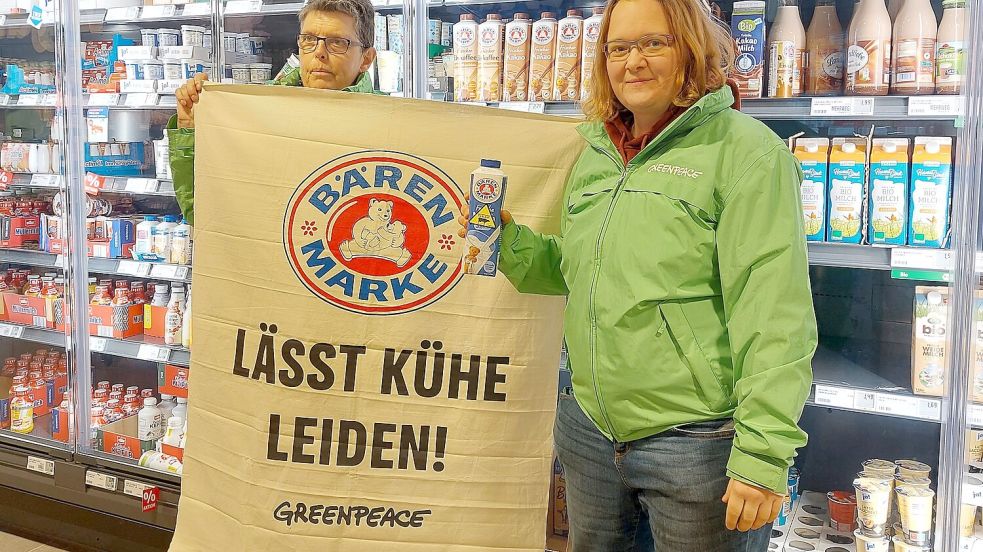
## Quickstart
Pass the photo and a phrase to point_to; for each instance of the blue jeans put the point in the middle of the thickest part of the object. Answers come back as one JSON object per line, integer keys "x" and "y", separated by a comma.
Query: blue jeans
{"x": 660, "y": 494}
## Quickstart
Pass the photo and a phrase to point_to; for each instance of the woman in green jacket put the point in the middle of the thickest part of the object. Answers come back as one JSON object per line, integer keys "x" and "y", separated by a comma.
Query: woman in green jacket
{"x": 689, "y": 324}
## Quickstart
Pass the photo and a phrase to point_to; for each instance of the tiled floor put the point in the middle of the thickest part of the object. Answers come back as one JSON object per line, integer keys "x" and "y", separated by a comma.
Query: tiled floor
{"x": 13, "y": 543}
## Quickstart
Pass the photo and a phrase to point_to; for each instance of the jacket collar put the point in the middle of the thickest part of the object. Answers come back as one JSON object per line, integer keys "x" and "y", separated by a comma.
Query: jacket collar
{"x": 363, "y": 84}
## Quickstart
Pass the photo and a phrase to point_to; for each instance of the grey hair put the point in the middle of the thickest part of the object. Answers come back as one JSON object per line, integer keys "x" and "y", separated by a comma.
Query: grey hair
{"x": 360, "y": 10}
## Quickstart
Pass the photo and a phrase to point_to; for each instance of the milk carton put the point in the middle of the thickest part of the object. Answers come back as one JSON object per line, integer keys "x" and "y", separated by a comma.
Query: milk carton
{"x": 748, "y": 30}
{"x": 485, "y": 225}
{"x": 813, "y": 155}
{"x": 931, "y": 192}
{"x": 592, "y": 33}
{"x": 847, "y": 182}
{"x": 929, "y": 337}
{"x": 466, "y": 59}
{"x": 888, "y": 195}
{"x": 543, "y": 59}
{"x": 518, "y": 42}
{"x": 569, "y": 48}
{"x": 490, "y": 46}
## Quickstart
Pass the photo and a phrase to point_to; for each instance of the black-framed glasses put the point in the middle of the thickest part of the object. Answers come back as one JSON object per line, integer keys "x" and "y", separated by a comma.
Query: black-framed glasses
{"x": 334, "y": 44}
{"x": 649, "y": 46}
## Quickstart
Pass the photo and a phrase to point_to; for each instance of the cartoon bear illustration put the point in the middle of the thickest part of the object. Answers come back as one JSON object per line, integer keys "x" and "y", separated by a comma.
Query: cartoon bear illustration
{"x": 376, "y": 235}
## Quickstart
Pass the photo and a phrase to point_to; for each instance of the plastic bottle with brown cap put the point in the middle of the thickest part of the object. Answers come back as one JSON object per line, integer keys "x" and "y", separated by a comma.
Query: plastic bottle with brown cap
{"x": 868, "y": 58}
{"x": 824, "y": 60}
{"x": 915, "y": 32}
{"x": 950, "y": 58}
{"x": 786, "y": 51}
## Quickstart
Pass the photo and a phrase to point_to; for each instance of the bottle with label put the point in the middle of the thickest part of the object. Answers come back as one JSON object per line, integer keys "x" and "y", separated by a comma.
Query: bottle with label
{"x": 466, "y": 59}
{"x": 150, "y": 421}
{"x": 162, "y": 235}
{"x": 950, "y": 57}
{"x": 21, "y": 411}
{"x": 172, "y": 436}
{"x": 186, "y": 324}
{"x": 181, "y": 410}
{"x": 181, "y": 244}
{"x": 490, "y": 59}
{"x": 518, "y": 44}
{"x": 145, "y": 241}
{"x": 824, "y": 42}
{"x": 592, "y": 33}
{"x": 786, "y": 49}
{"x": 161, "y": 296}
{"x": 543, "y": 59}
{"x": 166, "y": 405}
{"x": 174, "y": 317}
{"x": 915, "y": 33}
{"x": 569, "y": 48}
{"x": 868, "y": 65}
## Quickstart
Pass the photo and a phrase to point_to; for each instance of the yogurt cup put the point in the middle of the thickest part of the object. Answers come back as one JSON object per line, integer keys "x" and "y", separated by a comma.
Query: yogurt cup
{"x": 206, "y": 40}
{"x": 867, "y": 542}
{"x": 901, "y": 546}
{"x": 173, "y": 70}
{"x": 974, "y": 446}
{"x": 192, "y": 35}
{"x": 168, "y": 37}
{"x": 879, "y": 467}
{"x": 873, "y": 504}
{"x": 842, "y": 511}
{"x": 148, "y": 37}
{"x": 967, "y": 520}
{"x": 915, "y": 505}
{"x": 240, "y": 73}
{"x": 258, "y": 44}
{"x": 229, "y": 41}
{"x": 134, "y": 70}
{"x": 152, "y": 69}
{"x": 191, "y": 67}
{"x": 912, "y": 468}
{"x": 259, "y": 73}
{"x": 900, "y": 480}
{"x": 243, "y": 44}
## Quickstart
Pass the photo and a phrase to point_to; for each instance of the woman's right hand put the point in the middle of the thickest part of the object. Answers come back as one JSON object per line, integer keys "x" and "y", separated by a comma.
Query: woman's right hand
{"x": 466, "y": 215}
{"x": 187, "y": 96}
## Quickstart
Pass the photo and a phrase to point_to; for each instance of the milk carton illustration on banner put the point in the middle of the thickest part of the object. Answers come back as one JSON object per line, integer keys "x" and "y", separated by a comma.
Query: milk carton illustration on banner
{"x": 485, "y": 225}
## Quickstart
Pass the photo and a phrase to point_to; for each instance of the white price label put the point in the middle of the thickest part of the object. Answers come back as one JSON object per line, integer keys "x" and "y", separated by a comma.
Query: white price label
{"x": 181, "y": 52}
{"x": 930, "y": 409}
{"x": 975, "y": 415}
{"x": 46, "y": 180}
{"x": 835, "y": 396}
{"x": 60, "y": 261}
{"x": 128, "y": 268}
{"x": 527, "y": 107}
{"x": 841, "y": 107}
{"x": 133, "y": 86}
{"x": 973, "y": 493}
{"x": 158, "y": 11}
{"x": 123, "y": 14}
{"x": 10, "y": 330}
{"x": 924, "y": 258}
{"x": 101, "y": 480}
{"x": 134, "y": 488}
{"x": 49, "y": 99}
{"x": 4, "y": 99}
{"x": 97, "y": 344}
{"x": 153, "y": 353}
{"x": 896, "y": 405}
{"x": 3, "y": 20}
{"x": 168, "y": 87}
{"x": 164, "y": 271}
{"x": 945, "y": 106}
{"x": 141, "y": 185}
{"x": 41, "y": 465}
{"x": 181, "y": 273}
{"x": 141, "y": 99}
{"x": 243, "y": 6}
{"x": 198, "y": 8}
{"x": 29, "y": 99}
{"x": 103, "y": 99}
{"x": 864, "y": 401}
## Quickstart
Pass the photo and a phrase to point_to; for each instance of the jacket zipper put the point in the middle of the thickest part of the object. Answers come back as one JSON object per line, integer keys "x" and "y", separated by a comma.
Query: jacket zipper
{"x": 593, "y": 289}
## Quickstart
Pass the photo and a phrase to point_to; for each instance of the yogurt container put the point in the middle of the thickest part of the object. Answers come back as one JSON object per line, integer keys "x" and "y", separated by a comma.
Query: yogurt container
{"x": 901, "y": 546}
{"x": 879, "y": 467}
{"x": 134, "y": 70}
{"x": 967, "y": 520}
{"x": 243, "y": 44}
{"x": 842, "y": 511}
{"x": 911, "y": 468}
{"x": 191, "y": 67}
{"x": 206, "y": 41}
{"x": 152, "y": 69}
{"x": 173, "y": 70}
{"x": 873, "y": 504}
{"x": 168, "y": 37}
{"x": 149, "y": 37}
{"x": 258, "y": 44}
{"x": 900, "y": 480}
{"x": 915, "y": 505}
{"x": 240, "y": 73}
{"x": 259, "y": 73}
{"x": 192, "y": 35}
{"x": 974, "y": 446}
{"x": 229, "y": 41}
{"x": 871, "y": 543}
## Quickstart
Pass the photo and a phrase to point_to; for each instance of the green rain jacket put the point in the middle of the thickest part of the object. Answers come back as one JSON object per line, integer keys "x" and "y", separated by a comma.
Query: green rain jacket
{"x": 182, "y": 152}
{"x": 687, "y": 283}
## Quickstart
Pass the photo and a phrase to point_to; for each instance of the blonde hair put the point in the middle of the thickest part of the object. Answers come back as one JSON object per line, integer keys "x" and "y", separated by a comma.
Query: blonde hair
{"x": 704, "y": 45}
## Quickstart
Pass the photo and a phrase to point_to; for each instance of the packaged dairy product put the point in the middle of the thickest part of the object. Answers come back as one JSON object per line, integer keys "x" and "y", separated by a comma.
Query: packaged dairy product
{"x": 174, "y": 318}
{"x": 186, "y": 324}
{"x": 162, "y": 235}
{"x": 592, "y": 34}
{"x": 543, "y": 59}
{"x": 824, "y": 57}
{"x": 466, "y": 59}
{"x": 518, "y": 44}
{"x": 847, "y": 183}
{"x": 748, "y": 30}
{"x": 876, "y": 467}
{"x": 913, "y": 469}
{"x": 381, "y": 32}
{"x": 569, "y": 48}
{"x": 786, "y": 51}
{"x": 915, "y": 32}
{"x": 873, "y": 505}
{"x": 974, "y": 437}
{"x": 888, "y": 195}
{"x": 915, "y": 505}
{"x": 928, "y": 355}
{"x": 161, "y": 462}
{"x": 181, "y": 244}
{"x": 967, "y": 522}
{"x": 931, "y": 192}
{"x": 813, "y": 155}
{"x": 488, "y": 184}
{"x": 144, "y": 237}
{"x": 172, "y": 436}
{"x": 150, "y": 421}
{"x": 977, "y": 389}
{"x": 181, "y": 410}
{"x": 950, "y": 56}
{"x": 490, "y": 59}
{"x": 868, "y": 66}
{"x": 867, "y": 542}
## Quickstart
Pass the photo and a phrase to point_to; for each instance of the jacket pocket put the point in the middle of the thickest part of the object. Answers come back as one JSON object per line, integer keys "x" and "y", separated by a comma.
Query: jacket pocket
{"x": 712, "y": 392}
{"x": 687, "y": 195}
{"x": 585, "y": 198}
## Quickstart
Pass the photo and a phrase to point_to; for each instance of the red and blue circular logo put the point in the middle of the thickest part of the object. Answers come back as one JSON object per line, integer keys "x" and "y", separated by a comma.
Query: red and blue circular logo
{"x": 375, "y": 232}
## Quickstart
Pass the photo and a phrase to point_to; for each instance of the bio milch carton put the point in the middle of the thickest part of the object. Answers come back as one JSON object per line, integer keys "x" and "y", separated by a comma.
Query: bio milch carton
{"x": 813, "y": 155}
{"x": 929, "y": 337}
{"x": 931, "y": 191}
{"x": 847, "y": 182}
{"x": 888, "y": 195}
{"x": 748, "y": 30}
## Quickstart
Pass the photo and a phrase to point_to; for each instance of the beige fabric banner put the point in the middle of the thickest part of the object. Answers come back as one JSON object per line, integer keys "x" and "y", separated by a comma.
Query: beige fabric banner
{"x": 351, "y": 390}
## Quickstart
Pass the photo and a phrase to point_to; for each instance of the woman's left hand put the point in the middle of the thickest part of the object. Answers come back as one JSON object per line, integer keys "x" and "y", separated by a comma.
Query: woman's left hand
{"x": 750, "y": 508}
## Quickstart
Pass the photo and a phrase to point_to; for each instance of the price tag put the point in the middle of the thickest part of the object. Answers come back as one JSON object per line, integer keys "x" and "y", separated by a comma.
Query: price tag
{"x": 864, "y": 401}
{"x": 94, "y": 183}
{"x": 140, "y": 100}
{"x": 103, "y": 99}
{"x": 128, "y": 268}
{"x": 3, "y": 20}
{"x": 198, "y": 8}
{"x": 41, "y": 465}
{"x": 168, "y": 87}
{"x": 46, "y": 180}
{"x": 168, "y": 272}
{"x": 6, "y": 180}
{"x": 158, "y": 11}
{"x": 49, "y": 99}
{"x": 181, "y": 273}
{"x": 133, "y": 86}
{"x": 950, "y": 106}
{"x": 153, "y": 353}
{"x": 134, "y": 488}
{"x": 243, "y": 6}
{"x": 101, "y": 481}
{"x": 914, "y": 257}
{"x": 97, "y": 344}
{"x": 896, "y": 405}
{"x": 835, "y": 396}
{"x": 975, "y": 415}
{"x": 10, "y": 330}
{"x": 150, "y": 498}
{"x": 141, "y": 185}
{"x": 841, "y": 107}
{"x": 60, "y": 261}
{"x": 123, "y": 14}
{"x": 526, "y": 107}
{"x": 929, "y": 409}
{"x": 29, "y": 99}
{"x": 4, "y": 99}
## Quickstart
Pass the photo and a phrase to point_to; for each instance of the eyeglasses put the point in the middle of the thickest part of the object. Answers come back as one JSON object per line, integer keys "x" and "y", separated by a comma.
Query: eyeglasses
{"x": 335, "y": 45}
{"x": 649, "y": 46}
